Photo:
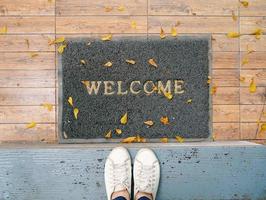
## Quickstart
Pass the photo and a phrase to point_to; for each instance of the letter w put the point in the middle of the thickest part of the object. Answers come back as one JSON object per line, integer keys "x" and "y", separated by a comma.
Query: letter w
{"x": 93, "y": 87}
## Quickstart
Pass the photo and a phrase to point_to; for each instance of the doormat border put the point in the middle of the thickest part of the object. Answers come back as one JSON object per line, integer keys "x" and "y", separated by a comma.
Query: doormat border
{"x": 63, "y": 140}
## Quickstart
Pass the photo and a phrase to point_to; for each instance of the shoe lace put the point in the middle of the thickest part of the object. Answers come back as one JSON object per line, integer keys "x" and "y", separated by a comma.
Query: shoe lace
{"x": 119, "y": 175}
{"x": 146, "y": 178}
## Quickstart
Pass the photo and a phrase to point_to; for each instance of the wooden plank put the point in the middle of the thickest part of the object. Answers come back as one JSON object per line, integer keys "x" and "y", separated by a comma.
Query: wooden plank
{"x": 255, "y": 8}
{"x": 225, "y": 113}
{"x": 252, "y": 113}
{"x": 19, "y": 133}
{"x": 251, "y": 131}
{"x": 193, "y": 7}
{"x": 100, "y": 24}
{"x": 26, "y": 114}
{"x": 225, "y": 60}
{"x": 248, "y": 25}
{"x": 223, "y": 43}
{"x": 226, "y": 131}
{"x": 25, "y": 61}
{"x": 226, "y": 95}
{"x": 253, "y": 43}
{"x": 252, "y": 98}
{"x": 25, "y": 25}
{"x": 26, "y": 96}
{"x": 27, "y": 7}
{"x": 194, "y": 24}
{"x": 225, "y": 77}
{"x": 256, "y": 60}
{"x": 9, "y": 43}
{"x": 78, "y": 171}
{"x": 27, "y": 78}
{"x": 259, "y": 76}
{"x": 87, "y": 7}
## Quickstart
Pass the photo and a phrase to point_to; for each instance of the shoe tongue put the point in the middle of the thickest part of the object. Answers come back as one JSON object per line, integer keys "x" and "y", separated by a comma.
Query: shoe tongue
{"x": 119, "y": 187}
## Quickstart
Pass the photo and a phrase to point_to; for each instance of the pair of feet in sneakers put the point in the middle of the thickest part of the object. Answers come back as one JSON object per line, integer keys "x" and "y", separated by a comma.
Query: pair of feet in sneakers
{"x": 118, "y": 174}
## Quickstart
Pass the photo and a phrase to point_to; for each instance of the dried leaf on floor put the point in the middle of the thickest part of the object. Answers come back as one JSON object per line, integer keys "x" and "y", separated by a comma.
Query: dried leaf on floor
{"x": 118, "y": 131}
{"x": 129, "y": 139}
{"x": 140, "y": 139}
{"x": 242, "y": 79}
{"x": 189, "y": 101}
{"x": 249, "y": 50}
{"x": 262, "y": 131}
{"x": 70, "y": 101}
{"x": 233, "y": 35}
{"x": 149, "y": 123}
{"x": 108, "y": 135}
{"x": 76, "y": 112}
{"x": 107, "y": 37}
{"x": 244, "y": 3}
{"x": 133, "y": 24}
{"x": 57, "y": 41}
{"x": 234, "y": 17}
{"x": 48, "y": 106}
{"x": 164, "y": 140}
{"x": 86, "y": 83}
{"x": 31, "y": 125}
{"x": 179, "y": 139}
{"x": 108, "y": 64}
{"x": 168, "y": 95}
{"x": 152, "y": 62}
{"x": 173, "y": 32}
{"x": 132, "y": 62}
{"x": 83, "y": 62}
{"x": 164, "y": 120}
{"x": 61, "y": 48}
{"x": 108, "y": 8}
{"x": 124, "y": 119}
{"x": 162, "y": 34}
{"x": 209, "y": 80}
{"x": 258, "y": 32}
{"x": 121, "y": 8}
{"x": 213, "y": 90}
{"x": 244, "y": 61}
{"x": 33, "y": 55}
{"x": 252, "y": 86}
{"x": 3, "y": 30}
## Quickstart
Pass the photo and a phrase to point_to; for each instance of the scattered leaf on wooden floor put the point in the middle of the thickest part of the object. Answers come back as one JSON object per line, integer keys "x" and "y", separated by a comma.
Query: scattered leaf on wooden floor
{"x": 262, "y": 131}
{"x": 3, "y": 30}
{"x": 162, "y": 34}
{"x": 244, "y": 61}
{"x": 249, "y": 50}
{"x": 152, "y": 62}
{"x": 107, "y": 37}
{"x": 76, "y": 112}
{"x": 189, "y": 101}
{"x": 108, "y": 64}
{"x": 164, "y": 140}
{"x": 164, "y": 120}
{"x": 209, "y": 79}
{"x": 124, "y": 119}
{"x": 133, "y": 24}
{"x": 48, "y": 106}
{"x": 31, "y": 125}
{"x": 173, "y": 32}
{"x": 242, "y": 79}
{"x": 132, "y": 62}
{"x": 108, "y": 135}
{"x": 108, "y": 8}
{"x": 179, "y": 139}
{"x": 149, "y": 123}
{"x": 258, "y": 32}
{"x": 57, "y": 41}
{"x": 118, "y": 131}
{"x": 83, "y": 62}
{"x": 234, "y": 17}
{"x": 213, "y": 90}
{"x": 33, "y": 55}
{"x": 244, "y": 3}
{"x": 61, "y": 48}
{"x": 233, "y": 35}
{"x": 121, "y": 8}
{"x": 70, "y": 101}
{"x": 129, "y": 139}
{"x": 252, "y": 86}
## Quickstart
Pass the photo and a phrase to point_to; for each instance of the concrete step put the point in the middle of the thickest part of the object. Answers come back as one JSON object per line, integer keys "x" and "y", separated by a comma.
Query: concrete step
{"x": 207, "y": 170}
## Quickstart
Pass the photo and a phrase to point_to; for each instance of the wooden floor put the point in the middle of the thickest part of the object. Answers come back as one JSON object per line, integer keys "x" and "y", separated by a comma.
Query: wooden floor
{"x": 27, "y": 81}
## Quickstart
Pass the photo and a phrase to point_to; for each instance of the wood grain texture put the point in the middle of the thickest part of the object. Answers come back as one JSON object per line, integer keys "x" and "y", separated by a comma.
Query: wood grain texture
{"x": 100, "y": 24}
{"x": 19, "y": 133}
{"x": 193, "y": 7}
{"x": 223, "y": 43}
{"x": 27, "y": 78}
{"x": 226, "y": 131}
{"x": 259, "y": 76}
{"x": 225, "y": 60}
{"x": 248, "y": 25}
{"x": 256, "y": 60}
{"x": 252, "y": 131}
{"x": 192, "y": 24}
{"x": 225, "y": 113}
{"x": 252, "y": 113}
{"x": 26, "y": 96}
{"x": 88, "y": 7}
{"x": 253, "y": 43}
{"x": 26, "y": 114}
{"x": 252, "y": 98}
{"x": 25, "y": 61}
{"x": 27, "y": 7}
{"x": 225, "y": 77}
{"x": 226, "y": 95}
{"x": 255, "y": 8}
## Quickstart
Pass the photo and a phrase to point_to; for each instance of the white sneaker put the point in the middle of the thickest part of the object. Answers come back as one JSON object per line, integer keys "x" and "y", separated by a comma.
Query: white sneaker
{"x": 146, "y": 172}
{"x": 117, "y": 172}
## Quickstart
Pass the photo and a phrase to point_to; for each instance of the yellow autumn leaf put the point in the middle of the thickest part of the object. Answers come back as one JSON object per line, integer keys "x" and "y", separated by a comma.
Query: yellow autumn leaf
{"x": 31, "y": 125}
{"x": 118, "y": 131}
{"x": 152, "y": 62}
{"x": 61, "y": 48}
{"x": 179, "y": 139}
{"x": 33, "y": 55}
{"x": 234, "y": 17}
{"x": 107, "y": 37}
{"x": 83, "y": 62}
{"x": 108, "y": 8}
{"x": 162, "y": 34}
{"x": 140, "y": 139}
{"x": 76, "y": 112}
{"x": 70, "y": 101}
{"x": 48, "y": 106}
{"x": 244, "y": 3}
{"x": 86, "y": 83}
{"x": 213, "y": 90}
{"x": 149, "y": 123}
{"x": 57, "y": 41}
{"x": 261, "y": 133}
{"x": 242, "y": 79}
{"x": 132, "y": 62}
{"x": 124, "y": 119}
{"x": 168, "y": 95}
{"x": 244, "y": 61}
{"x": 249, "y": 50}
{"x": 189, "y": 101}
{"x": 233, "y": 35}
{"x": 164, "y": 140}
{"x": 129, "y": 139}
{"x": 133, "y": 24}
{"x": 108, "y": 64}
{"x": 108, "y": 135}
{"x": 121, "y": 8}
{"x": 252, "y": 86}
{"x": 164, "y": 120}
{"x": 258, "y": 32}
{"x": 3, "y": 30}
{"x": 173, "y": 32}
{"x": 209, "y": 79}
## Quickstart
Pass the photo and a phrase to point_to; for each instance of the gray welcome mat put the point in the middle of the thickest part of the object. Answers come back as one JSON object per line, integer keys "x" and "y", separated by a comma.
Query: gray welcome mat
{"x": 104, "y": 83}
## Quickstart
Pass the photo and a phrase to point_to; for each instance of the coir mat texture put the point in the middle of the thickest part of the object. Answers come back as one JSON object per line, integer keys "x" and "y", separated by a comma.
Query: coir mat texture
{"x": 163, "y": 82}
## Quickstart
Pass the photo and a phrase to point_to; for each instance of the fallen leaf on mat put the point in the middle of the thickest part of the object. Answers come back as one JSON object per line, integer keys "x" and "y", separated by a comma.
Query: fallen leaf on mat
{"x": 108, "y": 64}
{"x": 132, "y": 62}
{"x": 164, "y": 120}
{"x": 31, "y": 125}
{"x": 149, "y": 123}
{"x": 70, "y": 101}
{"x": 252, "y": 86}
{"x": 86, "y": 83}
{"x": 118, "y": 131}
{"x": 162, "y": 34}
{"x": 209, "y": 79}
{"x": 129, "y": 139}
{"x": 173, "y": 32}
{"x": 164, "y": 140}
{"x": 168, "y": 95}
{"x": 258, "y": 32}
{"x": 133, "y": 24}
{"x": 76, "y": 112}
{"x": 189, "y": 101}
{"x": 233, "y": 35}
{"x": 179, "y": 139}
{"x": 108, "y": 135}
{"x": 124, "y": 119}
{"x": 152, "y": 62}
{"x": 48, "y": 106}
{"x": 3, "y": 30}
{"x": 83, "y": 62}
{"x": 140, "y": 139}
{"x": 244, "y": 3}
{"x": 107, "y": 37}
{"x": 61, "y": 48}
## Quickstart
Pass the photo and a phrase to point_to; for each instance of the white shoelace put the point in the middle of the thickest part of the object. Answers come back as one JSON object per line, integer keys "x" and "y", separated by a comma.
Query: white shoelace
{"x": 146, "y": 178}
{"x": 120, "y": 175}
